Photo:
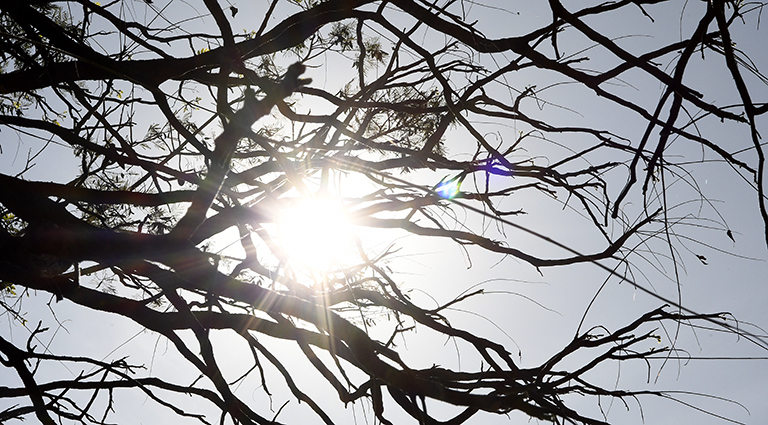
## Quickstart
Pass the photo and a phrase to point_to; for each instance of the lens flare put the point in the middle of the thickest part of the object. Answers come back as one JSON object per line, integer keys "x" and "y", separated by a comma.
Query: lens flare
{"x": 448, "y": 190}
{"x": 315, "y": 233}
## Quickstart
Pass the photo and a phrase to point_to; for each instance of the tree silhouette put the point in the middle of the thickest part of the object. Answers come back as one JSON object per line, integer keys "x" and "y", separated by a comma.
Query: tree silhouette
{"x": 168, "y": 131}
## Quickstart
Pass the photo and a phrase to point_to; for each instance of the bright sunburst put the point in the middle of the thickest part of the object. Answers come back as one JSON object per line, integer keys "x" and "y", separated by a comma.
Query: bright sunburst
{"x": 314, "y": 232}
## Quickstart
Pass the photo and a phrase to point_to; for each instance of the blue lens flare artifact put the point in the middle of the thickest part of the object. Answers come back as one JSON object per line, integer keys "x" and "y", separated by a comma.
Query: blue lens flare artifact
{"x": 448, "y": 190}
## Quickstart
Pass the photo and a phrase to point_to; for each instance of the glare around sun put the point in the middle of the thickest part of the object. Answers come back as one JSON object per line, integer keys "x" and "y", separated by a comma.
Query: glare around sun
{"x": 314, "y": 232}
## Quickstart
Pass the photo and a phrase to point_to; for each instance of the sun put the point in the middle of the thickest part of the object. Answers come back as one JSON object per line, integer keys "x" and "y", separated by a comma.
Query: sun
{"x": 315, "y": 232}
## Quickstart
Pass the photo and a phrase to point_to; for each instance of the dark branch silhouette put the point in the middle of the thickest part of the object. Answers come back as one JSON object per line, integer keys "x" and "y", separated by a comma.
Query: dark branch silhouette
{"x": 442, "y": 125}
